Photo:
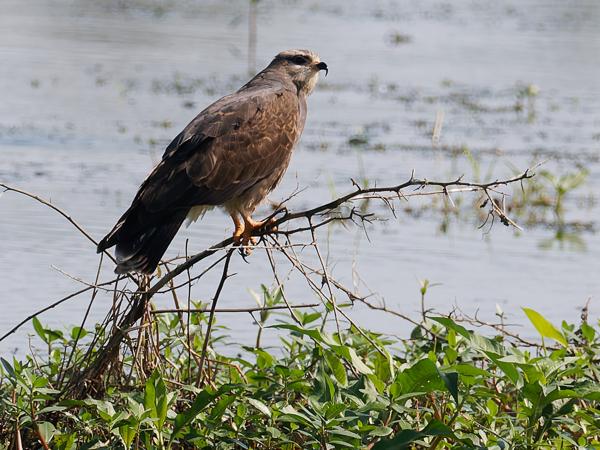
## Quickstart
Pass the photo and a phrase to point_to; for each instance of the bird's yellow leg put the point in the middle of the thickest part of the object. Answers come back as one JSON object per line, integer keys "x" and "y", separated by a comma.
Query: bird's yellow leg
{"x": 250, "y": 226}
{"x": 251, "y": 223}
{"x": 239, "y": 228}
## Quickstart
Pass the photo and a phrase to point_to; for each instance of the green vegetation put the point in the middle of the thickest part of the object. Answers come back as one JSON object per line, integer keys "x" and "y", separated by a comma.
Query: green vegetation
{"x": 556, "y": 201}
{"x": 444, "y": 387}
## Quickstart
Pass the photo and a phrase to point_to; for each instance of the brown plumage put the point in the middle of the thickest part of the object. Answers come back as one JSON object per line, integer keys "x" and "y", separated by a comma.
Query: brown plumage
{"x": 231, "y": 155}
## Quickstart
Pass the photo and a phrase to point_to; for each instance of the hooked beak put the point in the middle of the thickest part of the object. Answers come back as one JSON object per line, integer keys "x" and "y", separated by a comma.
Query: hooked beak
{"x": 323, "y": 66}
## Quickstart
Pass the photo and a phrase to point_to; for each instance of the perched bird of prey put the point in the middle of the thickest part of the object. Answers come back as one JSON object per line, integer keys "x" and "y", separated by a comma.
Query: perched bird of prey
{"x": 231, "y": 155}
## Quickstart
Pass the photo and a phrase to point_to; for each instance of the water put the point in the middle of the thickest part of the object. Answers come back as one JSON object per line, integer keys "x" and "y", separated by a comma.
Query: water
{"x": 92, "y": 92}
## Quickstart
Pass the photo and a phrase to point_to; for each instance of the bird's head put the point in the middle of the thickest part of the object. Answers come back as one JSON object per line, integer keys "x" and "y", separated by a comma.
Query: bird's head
{"x": 302, "y": 66}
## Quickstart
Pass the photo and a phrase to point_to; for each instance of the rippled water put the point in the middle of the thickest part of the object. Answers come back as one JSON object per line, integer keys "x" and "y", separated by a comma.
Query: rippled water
{"x": 93, "y": 91}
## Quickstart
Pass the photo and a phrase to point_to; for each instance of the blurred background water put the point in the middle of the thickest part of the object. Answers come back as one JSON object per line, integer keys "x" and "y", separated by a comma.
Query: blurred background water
{"x": 92, "y": 92}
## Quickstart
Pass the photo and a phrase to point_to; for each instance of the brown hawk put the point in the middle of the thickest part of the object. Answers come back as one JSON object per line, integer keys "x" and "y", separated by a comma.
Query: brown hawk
{"x": 231, "y": 155}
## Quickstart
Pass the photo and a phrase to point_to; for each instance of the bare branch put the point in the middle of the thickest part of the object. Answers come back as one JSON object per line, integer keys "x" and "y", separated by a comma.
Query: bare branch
{"x": 233, "y": 310}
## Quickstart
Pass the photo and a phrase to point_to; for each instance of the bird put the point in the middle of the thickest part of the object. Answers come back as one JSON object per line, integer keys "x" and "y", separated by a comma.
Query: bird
{"x": 231, "y": 155}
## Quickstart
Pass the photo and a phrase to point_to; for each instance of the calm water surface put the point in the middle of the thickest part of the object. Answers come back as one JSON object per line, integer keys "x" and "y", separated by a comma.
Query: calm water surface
{"x": 93, "y": 91}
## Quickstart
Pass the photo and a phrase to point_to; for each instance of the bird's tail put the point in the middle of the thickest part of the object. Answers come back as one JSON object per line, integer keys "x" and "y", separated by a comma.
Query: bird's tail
{"x": 140, "y": 248}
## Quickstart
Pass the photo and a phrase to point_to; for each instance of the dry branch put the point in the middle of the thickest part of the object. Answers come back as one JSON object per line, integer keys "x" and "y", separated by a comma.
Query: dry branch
{"x": 232, "y": 310}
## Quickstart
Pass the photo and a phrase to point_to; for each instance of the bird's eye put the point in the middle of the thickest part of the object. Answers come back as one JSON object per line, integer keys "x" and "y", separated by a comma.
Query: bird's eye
{"x": 300, "y": 60}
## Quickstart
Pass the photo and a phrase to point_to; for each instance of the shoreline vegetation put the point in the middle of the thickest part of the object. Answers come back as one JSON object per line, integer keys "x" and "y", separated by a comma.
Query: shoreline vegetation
{"x": 155, "y": 379}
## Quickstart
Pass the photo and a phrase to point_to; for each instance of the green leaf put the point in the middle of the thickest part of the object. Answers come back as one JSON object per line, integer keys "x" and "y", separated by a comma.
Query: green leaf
{"x": 588, "y": 332}
{"x": 450, "y": 379}
{"x": 509, "y": 368}
{"x": 289, "y": 414}
{"x": 437, "y": 428}
{"x": 105, "y": 409}
{"x": 423, "y": 376}
{"x": 263, "y": 359}
{"x": 9, "y": 369}
{"x": 45, "y": 334}
{"x": 470, "y": 370}
{"x": 150, "y": 394}
{"x": 339, "y": 443}
{"x": 316, "y": 335}
{"x": 54, "y": 334}
{"x": 156, "y": 399}
{"x": 590, "y": 391}
{"x": 183, "y": 419}
{"x": 405, "y": 437}
{"x": 350, "y": 355}
{"x": 260, "y": 406}
{"x": 334, "y": 410}
{"x": 46, "y": 430}
{"x": 337, "y": 368}
{"x": 48, "y": 409}
{"x": 381, "y": 431}
{"x": 127, "y": 432}
{"x": 274, "y": 432}
{"x": 310, "y": 317}
{"x": 545, "y": 328}
{"x": 221, "y": 406}
{"x": 78, "y": 333}
{"x": 39, "y": 329}
{"x": 346, "y": 433}
{"x": 451, "y": 325}
{"x": 93, "y": 444}
{"x": 64, "y": 441}
{"x": 384, "y": 367}
{"x": 137, "y": 409}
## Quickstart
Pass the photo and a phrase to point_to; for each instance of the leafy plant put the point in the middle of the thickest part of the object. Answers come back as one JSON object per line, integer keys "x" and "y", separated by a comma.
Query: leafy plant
{"x": 445, "y": 387}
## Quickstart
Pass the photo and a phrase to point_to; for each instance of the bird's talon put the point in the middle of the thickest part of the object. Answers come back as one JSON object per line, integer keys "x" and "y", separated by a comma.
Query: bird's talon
{"x": 246, "y": 245}
{"x": 248, "y": 241}
{"x": 267, "y": 226}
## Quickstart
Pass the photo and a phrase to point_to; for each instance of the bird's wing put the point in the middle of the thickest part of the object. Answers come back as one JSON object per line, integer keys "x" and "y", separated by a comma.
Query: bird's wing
{"x": 233, "y": 144}
{"x": 236, "y": 142}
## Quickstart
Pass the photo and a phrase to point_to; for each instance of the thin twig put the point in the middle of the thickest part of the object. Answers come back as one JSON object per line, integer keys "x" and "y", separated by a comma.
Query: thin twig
{"x": 224, "y": 277}
{"x": 233, "y": 310}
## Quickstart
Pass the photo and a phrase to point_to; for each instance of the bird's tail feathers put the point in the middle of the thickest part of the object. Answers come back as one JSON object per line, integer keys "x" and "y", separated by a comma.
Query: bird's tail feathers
{"x": 142, "y": 253}
{"x": 141, "y": 239}
{"x": 111, "y": 238}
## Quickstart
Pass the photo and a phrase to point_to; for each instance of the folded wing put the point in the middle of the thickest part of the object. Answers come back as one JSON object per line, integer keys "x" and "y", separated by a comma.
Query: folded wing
{"x": 240, "y": 140}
